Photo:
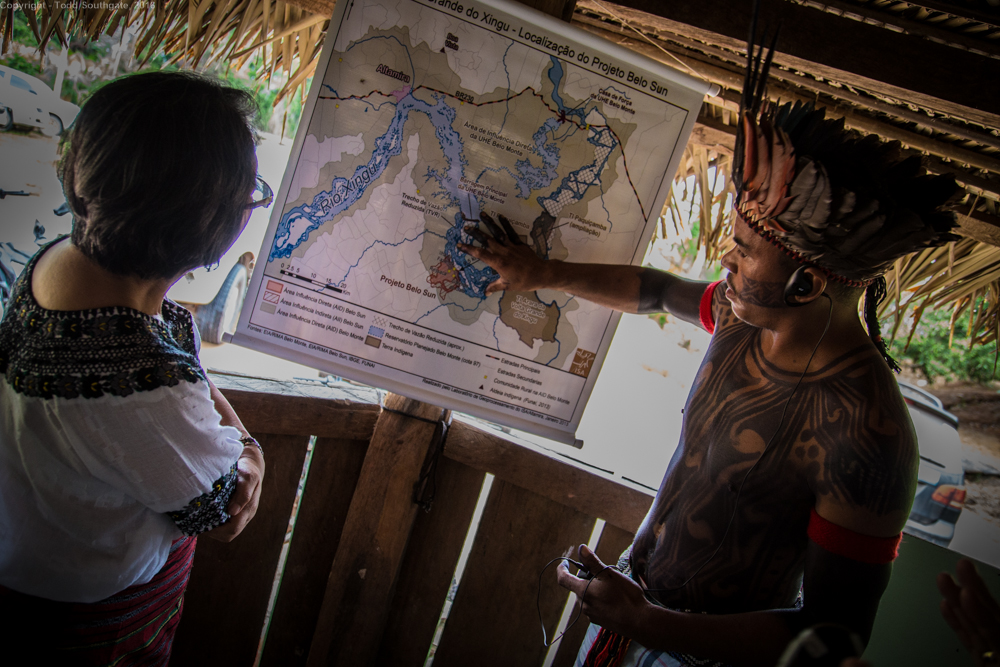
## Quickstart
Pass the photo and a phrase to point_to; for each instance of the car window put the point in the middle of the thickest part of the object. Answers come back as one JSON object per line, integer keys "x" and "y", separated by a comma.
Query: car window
{"x": 18, "y": 82}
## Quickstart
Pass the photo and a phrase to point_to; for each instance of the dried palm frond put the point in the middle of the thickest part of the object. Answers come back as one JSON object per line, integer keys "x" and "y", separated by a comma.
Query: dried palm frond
{"x": 705, "y": 202}
{"x": 191, "y": 32}
{"x": 963, "y": 275}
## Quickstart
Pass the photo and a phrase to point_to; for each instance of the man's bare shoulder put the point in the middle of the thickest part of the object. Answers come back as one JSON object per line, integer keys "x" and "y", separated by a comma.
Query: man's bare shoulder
{"x": 866, "y": 475}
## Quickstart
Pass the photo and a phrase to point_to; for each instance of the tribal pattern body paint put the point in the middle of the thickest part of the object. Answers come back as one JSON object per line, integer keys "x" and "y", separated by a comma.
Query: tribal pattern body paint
{"x": 763, "y": 293}
{"x": 846, "y": 434}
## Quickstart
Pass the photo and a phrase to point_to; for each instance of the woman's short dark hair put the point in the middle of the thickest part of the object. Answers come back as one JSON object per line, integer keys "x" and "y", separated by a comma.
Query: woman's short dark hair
{"x": 158, "y": 169}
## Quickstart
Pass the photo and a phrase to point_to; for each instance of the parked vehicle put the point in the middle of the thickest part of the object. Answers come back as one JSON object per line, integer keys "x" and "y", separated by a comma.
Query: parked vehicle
{"x": 941, "y": 491}
{"x": 25, "y": 100}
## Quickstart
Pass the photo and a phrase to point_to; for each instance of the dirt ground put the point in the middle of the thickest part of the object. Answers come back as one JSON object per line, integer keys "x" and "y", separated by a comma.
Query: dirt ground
{"x": 978, "y": 410}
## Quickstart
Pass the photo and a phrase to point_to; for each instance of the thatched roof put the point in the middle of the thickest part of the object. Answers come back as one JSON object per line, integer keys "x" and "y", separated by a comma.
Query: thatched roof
{"x": 924, "y": 73}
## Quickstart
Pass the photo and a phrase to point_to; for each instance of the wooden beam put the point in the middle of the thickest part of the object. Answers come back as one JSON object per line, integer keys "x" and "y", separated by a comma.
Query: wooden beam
{"x": 980, "y": 226}
{"x": 974, "y": 184}
{"x": 711, "y": 132}
{"x": 556, "y": 479}
{"x": 963, "y": 10}
{"x": 562, "y": 9}
{"x": 924, "y": 29}
{"x": 725, "y": 68}
{"x": 299, "y": 408}
{"x": 907, "y": 68}
{"x": 923, "y": 143}
{"x": 359, "y": 591}
{"x": 714, "y": 134}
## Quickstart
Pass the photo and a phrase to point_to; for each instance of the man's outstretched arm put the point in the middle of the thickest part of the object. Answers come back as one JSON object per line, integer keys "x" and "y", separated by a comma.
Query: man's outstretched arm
{"x": 629, "y": 289}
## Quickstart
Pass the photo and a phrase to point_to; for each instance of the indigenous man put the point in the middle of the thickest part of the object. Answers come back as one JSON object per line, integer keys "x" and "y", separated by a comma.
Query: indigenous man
{"x": 783, "y": 504}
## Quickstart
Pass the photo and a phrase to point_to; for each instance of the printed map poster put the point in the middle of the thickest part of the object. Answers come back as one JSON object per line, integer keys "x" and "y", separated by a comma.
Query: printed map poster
{"x": 422, "y": 114}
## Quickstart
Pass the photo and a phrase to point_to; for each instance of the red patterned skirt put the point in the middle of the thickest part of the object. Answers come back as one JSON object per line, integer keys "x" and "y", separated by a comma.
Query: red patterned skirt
{"x": 133, "y": 627}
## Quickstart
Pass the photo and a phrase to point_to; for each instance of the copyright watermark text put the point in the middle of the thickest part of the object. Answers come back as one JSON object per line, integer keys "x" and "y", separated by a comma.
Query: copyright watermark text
{"x": 109, "y": 5}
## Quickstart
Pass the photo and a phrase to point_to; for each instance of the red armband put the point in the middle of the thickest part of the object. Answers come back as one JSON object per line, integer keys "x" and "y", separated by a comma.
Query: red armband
{"x": 845, "y": 542}
{"x": 705, "y": 314}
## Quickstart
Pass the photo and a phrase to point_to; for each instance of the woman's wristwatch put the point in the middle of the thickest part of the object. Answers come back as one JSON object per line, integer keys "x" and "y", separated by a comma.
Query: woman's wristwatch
{"x": 248, "y": 440}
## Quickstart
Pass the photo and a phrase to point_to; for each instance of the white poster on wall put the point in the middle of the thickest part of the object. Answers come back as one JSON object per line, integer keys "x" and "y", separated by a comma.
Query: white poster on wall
{"x": 421, "y": 115}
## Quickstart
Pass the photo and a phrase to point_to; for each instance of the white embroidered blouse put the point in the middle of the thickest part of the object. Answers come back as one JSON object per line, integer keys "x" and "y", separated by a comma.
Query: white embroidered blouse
{"x": 110, "y": 446}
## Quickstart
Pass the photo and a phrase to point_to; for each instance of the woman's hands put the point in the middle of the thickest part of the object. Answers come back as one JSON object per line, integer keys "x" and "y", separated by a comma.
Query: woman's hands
{"x": 246, "y": 496}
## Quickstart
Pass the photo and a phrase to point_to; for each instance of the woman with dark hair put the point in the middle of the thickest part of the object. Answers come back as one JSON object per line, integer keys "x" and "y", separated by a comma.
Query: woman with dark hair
{"x": 116, "y": 450}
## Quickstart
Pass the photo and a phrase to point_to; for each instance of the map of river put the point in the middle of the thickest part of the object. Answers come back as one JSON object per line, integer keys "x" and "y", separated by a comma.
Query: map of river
{"x": 427, "y": 113}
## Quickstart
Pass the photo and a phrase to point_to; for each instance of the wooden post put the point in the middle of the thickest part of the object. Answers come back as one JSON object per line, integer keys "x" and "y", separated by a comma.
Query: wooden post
{"x": 378, "y": 524}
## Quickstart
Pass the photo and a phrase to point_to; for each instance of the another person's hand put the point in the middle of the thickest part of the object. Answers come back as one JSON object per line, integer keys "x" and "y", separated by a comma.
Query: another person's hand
{"x": 972, "y": 613}
{"x": 610, "y": 599}
{"x": 519, "y": 267}
{"x": 243, "y": 503}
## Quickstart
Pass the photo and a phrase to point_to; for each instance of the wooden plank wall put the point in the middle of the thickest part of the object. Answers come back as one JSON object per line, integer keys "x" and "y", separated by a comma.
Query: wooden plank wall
{"x": 495, "y": 618}
{"x": 431, "y": 557}
{"x": 230, "y": 585}
{"x": 537, "y": 507}
{"x": 335, "y": 468}
{"x": 232, "y": 581}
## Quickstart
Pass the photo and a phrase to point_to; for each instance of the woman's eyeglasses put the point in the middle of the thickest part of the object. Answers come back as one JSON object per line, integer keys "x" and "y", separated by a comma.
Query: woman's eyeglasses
{"x": 262, "y": 195}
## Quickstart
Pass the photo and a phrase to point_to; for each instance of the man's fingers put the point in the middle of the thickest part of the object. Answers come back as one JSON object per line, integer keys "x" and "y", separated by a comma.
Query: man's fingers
{"x": 494, "y": 228}
{"x": 477, "y": 235}
{"x": 590, "y": 559}
{"x": 498, "y": 285}
{"x": 471, "y": 250}
{"x": 509, "y": 229}
{"x": 569, "y": 581}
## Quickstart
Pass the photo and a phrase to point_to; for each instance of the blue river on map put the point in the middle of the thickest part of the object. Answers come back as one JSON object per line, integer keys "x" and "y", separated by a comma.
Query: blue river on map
{"x": 297, "y": 224}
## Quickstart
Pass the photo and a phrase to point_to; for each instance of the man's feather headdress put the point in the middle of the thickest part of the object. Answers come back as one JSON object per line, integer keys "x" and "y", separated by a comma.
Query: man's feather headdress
{"x": 847, "y": 204}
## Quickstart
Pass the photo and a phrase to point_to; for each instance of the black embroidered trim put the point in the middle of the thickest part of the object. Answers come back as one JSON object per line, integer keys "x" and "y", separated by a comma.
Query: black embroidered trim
{"x": 92, "y": 353}
{"x": 209, "y": 509}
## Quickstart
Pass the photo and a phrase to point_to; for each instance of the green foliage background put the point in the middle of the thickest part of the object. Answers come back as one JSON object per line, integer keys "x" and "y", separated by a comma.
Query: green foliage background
{"x": 77, "y": 91}
{"x": 929, "y": 350}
